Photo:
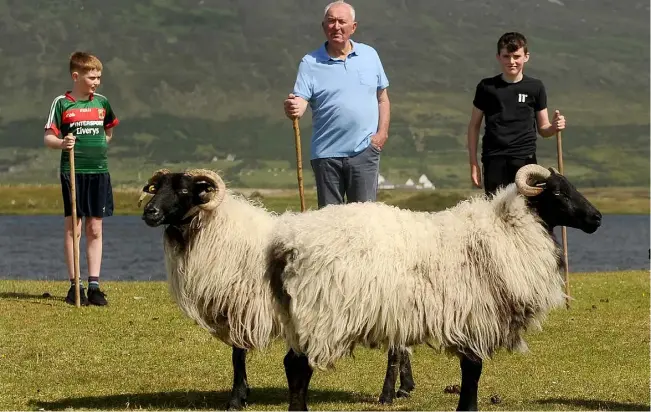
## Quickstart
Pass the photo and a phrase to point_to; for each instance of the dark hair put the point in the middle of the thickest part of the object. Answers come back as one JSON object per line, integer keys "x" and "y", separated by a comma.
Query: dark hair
{"x": 512, "y": 41}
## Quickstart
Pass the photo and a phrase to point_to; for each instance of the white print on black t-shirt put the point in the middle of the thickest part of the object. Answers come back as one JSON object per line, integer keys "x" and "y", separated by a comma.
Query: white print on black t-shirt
{"x": 522, "y": 97}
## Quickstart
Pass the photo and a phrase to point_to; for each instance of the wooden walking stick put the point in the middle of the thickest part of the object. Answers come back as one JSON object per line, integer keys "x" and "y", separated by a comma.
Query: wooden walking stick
{"x": 75, "y": 234}
{"x": 559, "y": 149}
{"x": 299, "y": 162}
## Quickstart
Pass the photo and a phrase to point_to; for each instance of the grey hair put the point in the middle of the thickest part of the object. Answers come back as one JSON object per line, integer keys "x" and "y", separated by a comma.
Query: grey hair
{"x": 352, "y": 9}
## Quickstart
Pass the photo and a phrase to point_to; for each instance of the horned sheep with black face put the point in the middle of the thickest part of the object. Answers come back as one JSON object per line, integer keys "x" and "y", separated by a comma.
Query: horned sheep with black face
{"x": 215, "y": 256}
{"x": 470, "y": 279}
{"x": 214, "y": 246}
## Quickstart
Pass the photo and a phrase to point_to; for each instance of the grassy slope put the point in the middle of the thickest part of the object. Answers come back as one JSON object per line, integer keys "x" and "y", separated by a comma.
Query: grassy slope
{"x": 141, "y": 353}
{"x": 192, "y": 80}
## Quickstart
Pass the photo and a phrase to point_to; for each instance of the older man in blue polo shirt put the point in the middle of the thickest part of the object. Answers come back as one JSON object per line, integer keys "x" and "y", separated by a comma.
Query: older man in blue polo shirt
{"x": 346, "y": 87}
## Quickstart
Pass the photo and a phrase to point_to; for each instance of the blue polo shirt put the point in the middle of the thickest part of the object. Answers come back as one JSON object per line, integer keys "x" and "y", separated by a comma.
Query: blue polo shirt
{"x": 342, "y": 94}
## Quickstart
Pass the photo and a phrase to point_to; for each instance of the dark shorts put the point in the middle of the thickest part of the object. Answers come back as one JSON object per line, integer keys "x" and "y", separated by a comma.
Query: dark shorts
{"x": 94, "y": 194}
{"x": 353, "y": 178}
{"x": 500, "y": 170}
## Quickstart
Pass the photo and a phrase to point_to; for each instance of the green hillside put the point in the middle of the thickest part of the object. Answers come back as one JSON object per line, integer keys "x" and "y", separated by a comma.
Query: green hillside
{"x": 202, "y": 79}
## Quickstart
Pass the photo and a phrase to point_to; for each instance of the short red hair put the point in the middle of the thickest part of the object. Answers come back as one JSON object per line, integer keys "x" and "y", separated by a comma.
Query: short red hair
{"x": 83, "y": 62}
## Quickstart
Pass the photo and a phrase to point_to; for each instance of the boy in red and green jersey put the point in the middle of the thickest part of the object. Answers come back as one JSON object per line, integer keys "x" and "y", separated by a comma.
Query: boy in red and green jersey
{"x": 84, "y": 120}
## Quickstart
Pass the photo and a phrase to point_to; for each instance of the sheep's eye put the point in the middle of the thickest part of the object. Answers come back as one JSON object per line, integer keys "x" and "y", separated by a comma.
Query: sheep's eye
{"x": 151, "y": 189}
{"x": 184, "y": 191}
{"x": 557, "y": 192}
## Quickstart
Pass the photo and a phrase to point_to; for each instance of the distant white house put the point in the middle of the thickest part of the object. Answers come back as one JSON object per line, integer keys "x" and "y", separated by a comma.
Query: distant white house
{"x": 423, "y": 183}
{"x": 423, "y": 180}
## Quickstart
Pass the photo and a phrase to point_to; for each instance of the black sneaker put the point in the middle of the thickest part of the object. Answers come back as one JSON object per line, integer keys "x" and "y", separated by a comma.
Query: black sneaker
{"x": 70, "y": 298}
{"x": 96, "y": 297}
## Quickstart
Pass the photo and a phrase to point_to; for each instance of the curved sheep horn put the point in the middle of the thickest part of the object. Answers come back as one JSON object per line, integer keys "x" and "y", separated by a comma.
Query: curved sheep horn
{"x": 527, "y": 175}
{"x": 154, "y": 178}
{"x": 215, "y": 193}
{"x": 158, "y": 174}
{"x": 147, "y": 190}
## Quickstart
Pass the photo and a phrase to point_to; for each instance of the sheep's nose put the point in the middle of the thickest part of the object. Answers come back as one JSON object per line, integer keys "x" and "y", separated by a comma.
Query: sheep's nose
{"x": 597, "y": 218}
{"x": 151, "y": 212}
{"x": 152, "y": 209}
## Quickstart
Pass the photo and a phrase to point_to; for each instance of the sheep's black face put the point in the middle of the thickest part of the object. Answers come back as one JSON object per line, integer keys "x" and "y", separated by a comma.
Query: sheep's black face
{"x": 174, "y": 195}
{"x": 561, "y": 204}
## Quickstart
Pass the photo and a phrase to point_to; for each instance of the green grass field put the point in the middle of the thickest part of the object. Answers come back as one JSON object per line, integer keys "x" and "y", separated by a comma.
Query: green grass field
{"x": 140, "y": 352}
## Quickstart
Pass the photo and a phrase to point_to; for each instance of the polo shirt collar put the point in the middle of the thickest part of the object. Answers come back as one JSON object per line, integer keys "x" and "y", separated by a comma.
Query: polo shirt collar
{"x": 324, "y": 56}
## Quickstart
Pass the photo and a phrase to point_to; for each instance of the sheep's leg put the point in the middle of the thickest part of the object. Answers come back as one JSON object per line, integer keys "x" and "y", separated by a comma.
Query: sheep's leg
{"x": 298, "y": 373}
{"x": 406, "y": 378}
{"x": 470, "y": 374}
{"x": 240, "y": 390}
{"x": 389, "y": 387}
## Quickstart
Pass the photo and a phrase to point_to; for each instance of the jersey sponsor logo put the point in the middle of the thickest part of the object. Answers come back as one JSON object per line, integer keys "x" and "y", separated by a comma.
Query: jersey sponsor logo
{"x": 86, "y": 114}
{"x": 87, "y": 131}
{"x": 87, "y": 123}
{"x": 87, "y": 127}
{"x": 522, "y": 98}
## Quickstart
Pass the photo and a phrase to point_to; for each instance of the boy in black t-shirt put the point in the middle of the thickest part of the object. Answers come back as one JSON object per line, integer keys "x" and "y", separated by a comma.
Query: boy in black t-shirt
{"x": 513, "y": 104}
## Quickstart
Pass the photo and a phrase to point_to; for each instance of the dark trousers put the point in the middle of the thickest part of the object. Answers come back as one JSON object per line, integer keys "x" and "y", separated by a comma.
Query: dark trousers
{"x": 354, "y": 177}
{"x": 500, "y": 171}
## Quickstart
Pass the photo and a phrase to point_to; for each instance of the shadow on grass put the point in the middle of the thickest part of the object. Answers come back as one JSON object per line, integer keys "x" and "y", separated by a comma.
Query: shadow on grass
{"x": 195, "y": 400}
{"x": 43, "y": 296}
{"x": 595, "y": 404}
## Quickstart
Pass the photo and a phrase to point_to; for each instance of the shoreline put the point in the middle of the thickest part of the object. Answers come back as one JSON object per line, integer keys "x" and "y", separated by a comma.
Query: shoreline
{"x": 137, "y": 214}
{"x": 45, "y": 200}
{"x": 64, "y": 282}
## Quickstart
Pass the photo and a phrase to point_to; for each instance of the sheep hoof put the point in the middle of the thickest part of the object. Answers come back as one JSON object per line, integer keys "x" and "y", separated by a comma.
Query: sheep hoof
{"x": 402, "y": 393}
{"x": 407, "y": 386}
{"x": 239, "y": 395}
{"x": 386, "y": 399}
{"x": 236, "y": 404}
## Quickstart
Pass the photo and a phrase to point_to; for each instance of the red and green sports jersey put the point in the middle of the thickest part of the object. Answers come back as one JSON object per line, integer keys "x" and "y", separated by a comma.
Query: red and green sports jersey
{"x": 88, "y": 121}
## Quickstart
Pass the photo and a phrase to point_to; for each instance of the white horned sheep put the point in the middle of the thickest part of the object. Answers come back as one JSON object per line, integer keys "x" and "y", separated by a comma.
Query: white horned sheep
{"x": 215, "y": 246}
{"x": 470, "y": 279}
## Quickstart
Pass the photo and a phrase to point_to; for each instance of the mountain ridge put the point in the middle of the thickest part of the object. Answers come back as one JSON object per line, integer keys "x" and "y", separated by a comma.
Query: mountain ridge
{"x": 195, "y": 80}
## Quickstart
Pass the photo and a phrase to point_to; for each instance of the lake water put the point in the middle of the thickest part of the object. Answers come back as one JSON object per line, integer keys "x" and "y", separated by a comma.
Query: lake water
{"x": 31, "y": 247}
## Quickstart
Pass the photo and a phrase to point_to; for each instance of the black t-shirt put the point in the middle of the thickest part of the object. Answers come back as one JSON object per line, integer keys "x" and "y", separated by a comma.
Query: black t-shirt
{"x": 510, "y": 115}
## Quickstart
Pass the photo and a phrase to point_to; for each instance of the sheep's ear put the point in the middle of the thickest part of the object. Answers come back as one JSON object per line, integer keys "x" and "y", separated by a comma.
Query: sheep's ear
{"x": 203, "y": 190}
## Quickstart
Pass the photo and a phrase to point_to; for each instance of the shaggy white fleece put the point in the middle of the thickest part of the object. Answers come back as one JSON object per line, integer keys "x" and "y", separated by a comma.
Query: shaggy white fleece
{"x": 217, "y": 278}
{"x": 469, "y": 279}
